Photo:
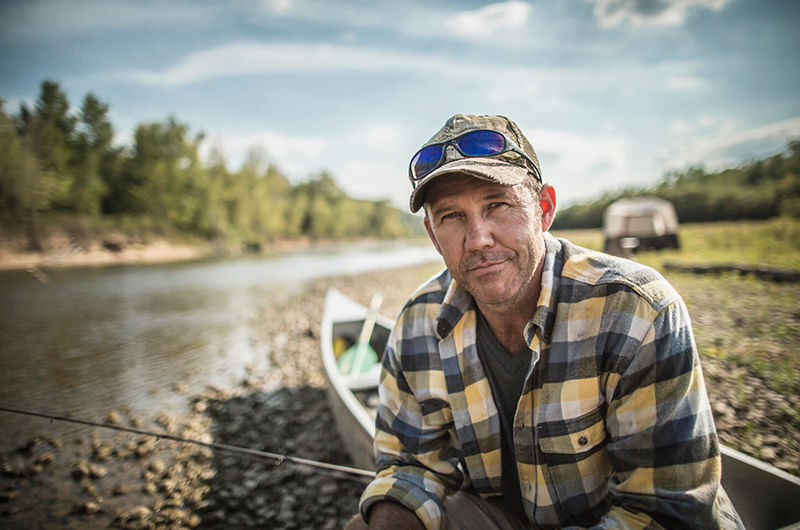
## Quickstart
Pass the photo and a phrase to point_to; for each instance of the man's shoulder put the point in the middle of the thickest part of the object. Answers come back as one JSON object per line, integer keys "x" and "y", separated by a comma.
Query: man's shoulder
{"x": 419, "y": 317}
{"x": 594, "y": 268}
{"x": 431, "y": 293}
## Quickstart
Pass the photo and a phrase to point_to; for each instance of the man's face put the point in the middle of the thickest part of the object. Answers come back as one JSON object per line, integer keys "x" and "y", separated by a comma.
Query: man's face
{"x": 490, "y": 237}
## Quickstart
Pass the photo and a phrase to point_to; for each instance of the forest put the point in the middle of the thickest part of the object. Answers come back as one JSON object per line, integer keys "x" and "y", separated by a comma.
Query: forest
{"x": 58, "y": 166}
{"x": 759, "y": 189}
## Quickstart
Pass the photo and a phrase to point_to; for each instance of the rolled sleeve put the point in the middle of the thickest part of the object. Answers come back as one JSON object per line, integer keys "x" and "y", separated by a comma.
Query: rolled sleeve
{"x": 407, "y": 486}
{"x": 417, "y": 465}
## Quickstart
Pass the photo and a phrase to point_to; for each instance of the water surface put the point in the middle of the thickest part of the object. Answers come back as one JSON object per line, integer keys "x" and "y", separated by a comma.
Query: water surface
{"x": 94, "y": 339}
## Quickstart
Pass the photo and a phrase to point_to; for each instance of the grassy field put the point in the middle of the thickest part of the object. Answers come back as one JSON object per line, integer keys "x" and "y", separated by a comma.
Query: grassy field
{"x": 747, "y": 330}
{"x": 775, "y": 243}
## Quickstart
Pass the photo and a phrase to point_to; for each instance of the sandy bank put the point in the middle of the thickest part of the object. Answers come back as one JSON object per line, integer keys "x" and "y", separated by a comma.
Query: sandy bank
{"x": 62, "y": 251}
{"x": 159, "y": 251}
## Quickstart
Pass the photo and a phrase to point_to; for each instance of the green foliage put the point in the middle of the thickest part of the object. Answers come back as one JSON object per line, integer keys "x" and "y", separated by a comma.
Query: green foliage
{"x": 759, "y": 190}
{"x": 56, "y": 164}
{"x": 93, "y": 139}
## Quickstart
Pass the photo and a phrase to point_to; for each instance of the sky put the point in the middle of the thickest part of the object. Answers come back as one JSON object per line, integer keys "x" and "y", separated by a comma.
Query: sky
{"x": 611, "y": 93}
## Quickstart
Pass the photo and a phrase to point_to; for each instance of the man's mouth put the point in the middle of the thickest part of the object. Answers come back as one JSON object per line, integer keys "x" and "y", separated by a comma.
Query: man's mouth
{"x": 485, "y": 265}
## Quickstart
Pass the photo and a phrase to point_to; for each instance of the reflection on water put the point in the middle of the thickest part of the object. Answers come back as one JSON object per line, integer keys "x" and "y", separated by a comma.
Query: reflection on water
{"x": 91, "y": 340}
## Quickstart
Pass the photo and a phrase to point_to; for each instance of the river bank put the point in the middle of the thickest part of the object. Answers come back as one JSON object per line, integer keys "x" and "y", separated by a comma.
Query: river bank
{"x": 59, "y": 247}
{"x": 98, "y": 478}
{"x": 62, "y": 248}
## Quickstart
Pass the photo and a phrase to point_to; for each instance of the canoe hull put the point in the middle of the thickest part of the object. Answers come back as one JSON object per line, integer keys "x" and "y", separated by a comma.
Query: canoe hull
{"x": 765, "y": 497}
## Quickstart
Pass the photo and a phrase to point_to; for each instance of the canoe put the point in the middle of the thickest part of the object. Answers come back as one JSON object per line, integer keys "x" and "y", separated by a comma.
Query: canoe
{"x": 353, "y": 400}
{"x": 766, "y": 497}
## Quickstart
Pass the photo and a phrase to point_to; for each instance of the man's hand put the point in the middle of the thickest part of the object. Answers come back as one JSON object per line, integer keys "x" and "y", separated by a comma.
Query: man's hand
{"x": 386, "y": 515}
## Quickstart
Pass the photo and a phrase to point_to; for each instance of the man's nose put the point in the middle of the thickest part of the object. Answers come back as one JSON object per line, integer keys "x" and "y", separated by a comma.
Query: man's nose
{"x": 479, "y": 235}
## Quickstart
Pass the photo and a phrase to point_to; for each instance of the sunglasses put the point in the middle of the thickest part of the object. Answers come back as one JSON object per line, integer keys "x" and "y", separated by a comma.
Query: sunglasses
{"x": 471, "y": 144}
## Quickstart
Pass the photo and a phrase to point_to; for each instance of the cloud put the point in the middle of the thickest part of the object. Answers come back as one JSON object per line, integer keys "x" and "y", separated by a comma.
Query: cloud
{"x": 489, "y": 19}
{"x": 685, "y": 83}
{"x": 278, "y": 6}
{"x": 35, "y": 19}
{"x": 374, "y": 180}
{"x": 295, "y": 155}
{"x": 238, "y": 59}
{"x": 577, "y": 166}
{"x": 650, "y": 12}
{"x": 703, "y": 124}
{"x": 730, "y": 145}
{"x": 377, "y": 171}
{"x": 383, "y": 137}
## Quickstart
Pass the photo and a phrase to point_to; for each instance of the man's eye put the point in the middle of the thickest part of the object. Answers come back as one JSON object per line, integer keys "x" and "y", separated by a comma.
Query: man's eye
{"x": 451, "y": 215}
{"x": 497, "y": 204}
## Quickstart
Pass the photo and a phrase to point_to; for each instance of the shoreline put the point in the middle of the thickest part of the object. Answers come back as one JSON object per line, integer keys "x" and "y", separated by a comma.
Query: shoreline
{"x": 156, "y": 251}
{"x": 161, "y": 251}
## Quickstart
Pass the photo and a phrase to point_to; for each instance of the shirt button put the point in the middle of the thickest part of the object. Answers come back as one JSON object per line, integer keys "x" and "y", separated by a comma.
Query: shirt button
{"x": 583, "y": 440}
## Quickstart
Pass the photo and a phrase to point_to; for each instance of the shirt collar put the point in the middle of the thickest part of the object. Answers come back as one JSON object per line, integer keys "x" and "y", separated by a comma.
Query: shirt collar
{"x": 545, "y": 315}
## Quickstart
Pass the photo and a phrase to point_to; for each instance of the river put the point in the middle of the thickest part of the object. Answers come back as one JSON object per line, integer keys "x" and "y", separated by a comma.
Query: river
{"x": 94, "y": 339}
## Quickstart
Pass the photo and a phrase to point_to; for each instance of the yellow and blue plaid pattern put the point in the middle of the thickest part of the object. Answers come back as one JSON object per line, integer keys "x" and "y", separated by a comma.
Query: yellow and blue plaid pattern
{"x": 613, "y": 427}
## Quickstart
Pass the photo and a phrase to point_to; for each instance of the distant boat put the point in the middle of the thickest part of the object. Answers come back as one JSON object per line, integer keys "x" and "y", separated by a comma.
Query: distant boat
{"x": 766, "y": 497}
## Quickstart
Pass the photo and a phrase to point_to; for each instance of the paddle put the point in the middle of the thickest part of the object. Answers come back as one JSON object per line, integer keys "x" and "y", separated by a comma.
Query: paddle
{"x": 360, "y": 357}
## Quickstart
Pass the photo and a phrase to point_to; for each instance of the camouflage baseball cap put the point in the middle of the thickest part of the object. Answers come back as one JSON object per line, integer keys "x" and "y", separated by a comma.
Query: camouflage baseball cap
{"x": 507, "y": 168}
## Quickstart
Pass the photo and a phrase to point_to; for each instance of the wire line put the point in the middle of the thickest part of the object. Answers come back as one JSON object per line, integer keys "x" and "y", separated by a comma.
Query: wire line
{"x": 279, "y": 458}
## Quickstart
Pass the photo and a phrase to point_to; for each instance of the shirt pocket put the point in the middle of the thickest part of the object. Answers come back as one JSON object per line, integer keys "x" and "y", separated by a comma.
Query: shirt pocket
{"x": 576, "y": 461}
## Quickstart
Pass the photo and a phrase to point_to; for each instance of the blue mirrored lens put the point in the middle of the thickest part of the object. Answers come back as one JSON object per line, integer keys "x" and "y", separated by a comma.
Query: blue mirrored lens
{"x": 482, "y": 143}
{"x": 426, "y": 160}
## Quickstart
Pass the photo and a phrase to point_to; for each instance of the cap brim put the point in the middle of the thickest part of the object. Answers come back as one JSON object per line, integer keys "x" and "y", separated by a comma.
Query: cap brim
{"x": 493, "y": 170}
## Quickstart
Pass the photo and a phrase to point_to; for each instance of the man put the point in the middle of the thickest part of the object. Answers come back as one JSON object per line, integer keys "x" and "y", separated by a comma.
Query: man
{"x": 534, "y": 383}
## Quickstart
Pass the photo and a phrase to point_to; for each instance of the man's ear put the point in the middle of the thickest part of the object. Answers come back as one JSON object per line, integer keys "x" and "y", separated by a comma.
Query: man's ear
{"x": 547, "y": 202}
{"x": 430, "y": 234}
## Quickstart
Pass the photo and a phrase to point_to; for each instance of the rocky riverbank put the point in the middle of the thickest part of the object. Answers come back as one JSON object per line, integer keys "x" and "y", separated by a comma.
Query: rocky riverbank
{"x": 102, "y": 478}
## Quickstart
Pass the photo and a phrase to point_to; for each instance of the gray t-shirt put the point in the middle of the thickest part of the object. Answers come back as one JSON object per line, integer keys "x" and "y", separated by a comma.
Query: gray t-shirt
{"x": 506, "y": 374}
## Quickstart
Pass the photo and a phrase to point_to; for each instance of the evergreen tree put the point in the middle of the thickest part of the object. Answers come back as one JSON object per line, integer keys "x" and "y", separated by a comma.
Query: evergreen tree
{"x": 48, "y": 132}
{"x": 94, "y": 136}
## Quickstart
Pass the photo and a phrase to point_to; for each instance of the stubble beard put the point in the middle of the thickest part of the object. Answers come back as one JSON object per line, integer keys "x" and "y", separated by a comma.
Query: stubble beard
{"x": 518, "y": 283}
{"x": 485, "y": 290}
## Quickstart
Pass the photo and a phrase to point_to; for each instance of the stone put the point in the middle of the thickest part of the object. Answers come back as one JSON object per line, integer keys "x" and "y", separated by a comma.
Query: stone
{"x": 88, "y": 508}
{"x": 8, "y": 495}
{"x": 114, "y": 418}
{"x": 46, "y": 459}
{"x": 157, "y": 467}
{"x": 80, "y": 469}
{"x": 97, "y": 471}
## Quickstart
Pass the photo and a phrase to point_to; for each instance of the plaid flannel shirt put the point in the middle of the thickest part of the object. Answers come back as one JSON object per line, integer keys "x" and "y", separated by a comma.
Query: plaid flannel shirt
{"x": 613, "y": 425}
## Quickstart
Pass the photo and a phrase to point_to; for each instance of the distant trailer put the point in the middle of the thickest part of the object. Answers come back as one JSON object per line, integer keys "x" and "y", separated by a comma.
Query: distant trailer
{"x": 642, "y": 223}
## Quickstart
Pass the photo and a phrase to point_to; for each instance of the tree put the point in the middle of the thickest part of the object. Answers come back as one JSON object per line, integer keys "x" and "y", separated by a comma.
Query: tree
{"x": 162, "y": 174}
{"x": 22, "y": 193}
{"x": 52, "y": 160}
{"x": 93, "y": 142}
{"x": 48, "y": 131}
